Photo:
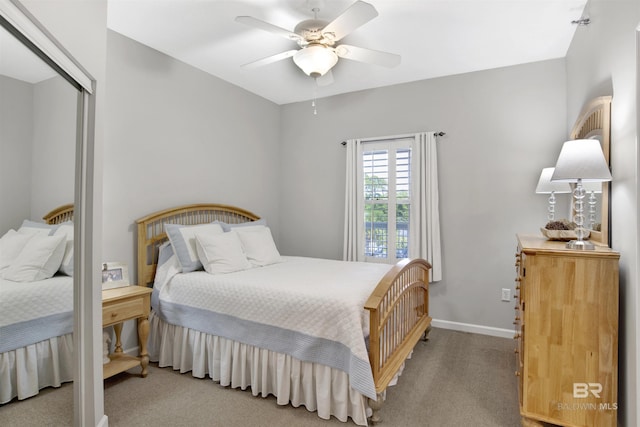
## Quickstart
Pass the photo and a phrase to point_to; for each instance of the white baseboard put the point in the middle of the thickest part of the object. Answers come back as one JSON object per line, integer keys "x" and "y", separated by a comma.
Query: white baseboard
{"x": 475, "y": 329}
{"x": 135, "y": 351}
{"x": 104, "y": 422}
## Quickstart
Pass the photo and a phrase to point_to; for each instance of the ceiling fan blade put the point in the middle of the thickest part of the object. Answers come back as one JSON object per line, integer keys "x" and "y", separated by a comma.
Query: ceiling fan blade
{"x": 370, "y": 56}
{"x": 270, "y": 59}
{"x": 262, "y": 25}
{"x": 355, "y": 16}
{"x": 325, "y": 80}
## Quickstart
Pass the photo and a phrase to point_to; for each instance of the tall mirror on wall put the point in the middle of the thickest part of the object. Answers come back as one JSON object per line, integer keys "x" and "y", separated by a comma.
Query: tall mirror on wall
{"x": 46, "y": 120}
{"x": 594, "y": 123}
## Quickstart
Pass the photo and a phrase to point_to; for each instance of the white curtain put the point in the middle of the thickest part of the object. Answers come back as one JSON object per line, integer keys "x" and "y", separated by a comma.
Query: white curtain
{"x": 353, "y": 248}
{"x": 424, "y": 217}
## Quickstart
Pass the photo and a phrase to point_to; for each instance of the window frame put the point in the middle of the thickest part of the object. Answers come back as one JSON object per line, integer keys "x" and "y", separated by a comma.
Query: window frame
{"x": 391, "y": 146}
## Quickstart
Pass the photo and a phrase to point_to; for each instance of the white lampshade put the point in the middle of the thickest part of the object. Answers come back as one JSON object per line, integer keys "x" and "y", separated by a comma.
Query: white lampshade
{"x": 581, "y": 159}
{"x": 546, "y": 186}
{"x": 315, "y": 60}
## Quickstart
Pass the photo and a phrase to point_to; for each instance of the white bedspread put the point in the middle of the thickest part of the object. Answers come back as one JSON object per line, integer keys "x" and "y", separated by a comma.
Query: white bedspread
{"x": 31, "y": 312}
{"x": 311, "y": 309}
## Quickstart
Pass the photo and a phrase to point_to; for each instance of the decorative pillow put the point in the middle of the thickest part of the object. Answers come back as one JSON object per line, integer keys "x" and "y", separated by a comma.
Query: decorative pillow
{"x": 228, "y": 227}
{"x": 11, "y": 244}
{"x": 66, "y": 229}
{"x": 182, "y": 238}
{"x": 38, "y": 260}
{"x": 34, "y": 227}
{"x": 258, "y": 245}
{"x": 221, "y": 253}
{"x": 165, "y": 251}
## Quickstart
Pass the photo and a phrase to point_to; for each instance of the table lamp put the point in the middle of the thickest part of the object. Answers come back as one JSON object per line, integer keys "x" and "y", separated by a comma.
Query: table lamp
{"x": 592, "y": 188}
{"x": 545, "y": 186}
{"x": 580, "y": 160}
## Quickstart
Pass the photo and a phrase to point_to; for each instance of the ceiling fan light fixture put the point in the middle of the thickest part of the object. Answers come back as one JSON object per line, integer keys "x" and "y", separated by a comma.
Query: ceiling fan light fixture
{"x": 315, "y": 60}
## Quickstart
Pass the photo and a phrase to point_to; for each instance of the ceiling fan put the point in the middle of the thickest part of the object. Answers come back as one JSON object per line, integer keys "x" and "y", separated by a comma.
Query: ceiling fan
{"x": 317, "y": 39}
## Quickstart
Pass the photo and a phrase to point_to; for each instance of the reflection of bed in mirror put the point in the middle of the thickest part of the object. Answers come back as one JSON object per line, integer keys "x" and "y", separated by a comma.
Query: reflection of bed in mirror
{"x": 594, "y": 123}
{"x": 42, "y": 161}
{"x": 36, "y": 313}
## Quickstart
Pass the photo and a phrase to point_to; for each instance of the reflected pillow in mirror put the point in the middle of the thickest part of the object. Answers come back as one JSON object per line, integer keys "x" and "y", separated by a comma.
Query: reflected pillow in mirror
{"x": 66, "y": 229}
{"x": 35, "y": 227}
{"x": 38, "y": 260}
{"x": 11, "y": 244}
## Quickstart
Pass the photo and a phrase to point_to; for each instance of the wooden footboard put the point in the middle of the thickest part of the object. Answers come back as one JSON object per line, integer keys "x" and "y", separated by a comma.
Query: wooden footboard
{"x": 399, "y": 315}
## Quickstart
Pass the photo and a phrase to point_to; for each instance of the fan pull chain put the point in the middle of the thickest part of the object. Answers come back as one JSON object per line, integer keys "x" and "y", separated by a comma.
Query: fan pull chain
{"x": 315, "y": 96}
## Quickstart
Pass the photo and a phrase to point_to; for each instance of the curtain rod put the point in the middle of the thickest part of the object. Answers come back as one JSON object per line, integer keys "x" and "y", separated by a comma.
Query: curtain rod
{"x": 392, "y": 137}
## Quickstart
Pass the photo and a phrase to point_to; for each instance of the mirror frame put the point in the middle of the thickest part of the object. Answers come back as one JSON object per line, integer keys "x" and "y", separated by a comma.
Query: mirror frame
{"x": 87, "y": 383}
{"x": 595, "y": 121}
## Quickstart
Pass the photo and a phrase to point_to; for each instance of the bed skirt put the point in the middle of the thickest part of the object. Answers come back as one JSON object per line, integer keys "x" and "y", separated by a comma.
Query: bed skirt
{"x": 26, "y": 370}
{"x": 317, "y": 387}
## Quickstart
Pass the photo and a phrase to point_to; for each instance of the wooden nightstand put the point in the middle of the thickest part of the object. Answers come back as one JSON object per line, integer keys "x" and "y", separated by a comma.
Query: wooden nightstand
{"x": 119, "y": 305}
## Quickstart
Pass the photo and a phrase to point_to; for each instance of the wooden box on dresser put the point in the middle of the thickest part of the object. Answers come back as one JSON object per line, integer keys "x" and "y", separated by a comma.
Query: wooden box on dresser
{"x": 566, "y": 333}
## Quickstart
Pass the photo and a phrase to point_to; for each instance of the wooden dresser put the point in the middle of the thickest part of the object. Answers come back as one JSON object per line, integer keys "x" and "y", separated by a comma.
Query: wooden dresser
{"x": 566, "y": 333}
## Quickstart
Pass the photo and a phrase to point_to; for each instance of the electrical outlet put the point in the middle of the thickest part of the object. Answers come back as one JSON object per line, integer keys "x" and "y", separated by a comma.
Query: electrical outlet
{"x": 506, "y": 294}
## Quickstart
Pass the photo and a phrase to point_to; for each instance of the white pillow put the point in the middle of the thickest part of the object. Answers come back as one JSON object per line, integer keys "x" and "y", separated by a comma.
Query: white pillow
{"x": 38, "y": 260}
{"x": 228, "y": 227}
{"x": 35, "y": 227}
{"x": 259, "y": 246}
{"x": 182, "y": 238}
{"x": 66, "y": 229}
{"x": 11, "y": 244}
{"x": 221, "y": 253}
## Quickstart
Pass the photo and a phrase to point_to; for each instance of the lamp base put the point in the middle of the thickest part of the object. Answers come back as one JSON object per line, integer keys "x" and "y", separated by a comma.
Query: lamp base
{"x": 580, "y": 245}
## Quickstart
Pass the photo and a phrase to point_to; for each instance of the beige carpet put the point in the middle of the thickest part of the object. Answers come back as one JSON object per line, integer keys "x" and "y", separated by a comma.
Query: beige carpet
{"x": 455, "y": 379}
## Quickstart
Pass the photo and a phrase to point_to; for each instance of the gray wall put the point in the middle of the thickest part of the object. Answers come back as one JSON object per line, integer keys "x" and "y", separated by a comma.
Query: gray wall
{"x": 178, "y": 135}
{"x": 38, "y": 148}
{"x": 502, "y": 127}
{"x": 602, "y": 61}
{"x": 16, "y": 125}
{"x": 54, "y": 135}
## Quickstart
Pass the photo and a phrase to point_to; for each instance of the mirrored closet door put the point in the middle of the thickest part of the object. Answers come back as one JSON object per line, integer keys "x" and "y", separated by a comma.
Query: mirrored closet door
{"x": 46, "y": 159}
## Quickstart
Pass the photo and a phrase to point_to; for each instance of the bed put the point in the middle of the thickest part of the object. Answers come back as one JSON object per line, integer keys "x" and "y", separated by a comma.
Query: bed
{"x": 36, "y": 316}
{"x": 256, "y": 328}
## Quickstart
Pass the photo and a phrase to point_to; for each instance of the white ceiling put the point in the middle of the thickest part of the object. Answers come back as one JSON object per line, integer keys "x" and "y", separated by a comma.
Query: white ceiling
{"x": 434, "y": 38}
{"x": 18, "y": 62}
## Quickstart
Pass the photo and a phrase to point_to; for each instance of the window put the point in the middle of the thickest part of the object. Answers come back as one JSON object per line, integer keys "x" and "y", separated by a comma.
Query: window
{"x": 387, "y": 180}
{"x": 391, "y": 200}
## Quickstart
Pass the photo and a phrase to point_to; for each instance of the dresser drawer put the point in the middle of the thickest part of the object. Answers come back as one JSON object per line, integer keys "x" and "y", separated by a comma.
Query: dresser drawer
{"x": 119, "y": 311}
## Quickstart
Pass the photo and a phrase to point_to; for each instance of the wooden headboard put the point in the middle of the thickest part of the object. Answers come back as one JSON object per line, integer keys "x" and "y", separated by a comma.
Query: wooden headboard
{"x": 151, "y": 232}
{"x": 59, "y": 214}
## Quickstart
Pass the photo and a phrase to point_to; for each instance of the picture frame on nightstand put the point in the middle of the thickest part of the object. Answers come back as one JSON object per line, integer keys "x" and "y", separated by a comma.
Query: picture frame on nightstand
{"x": 114, "y": 275}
